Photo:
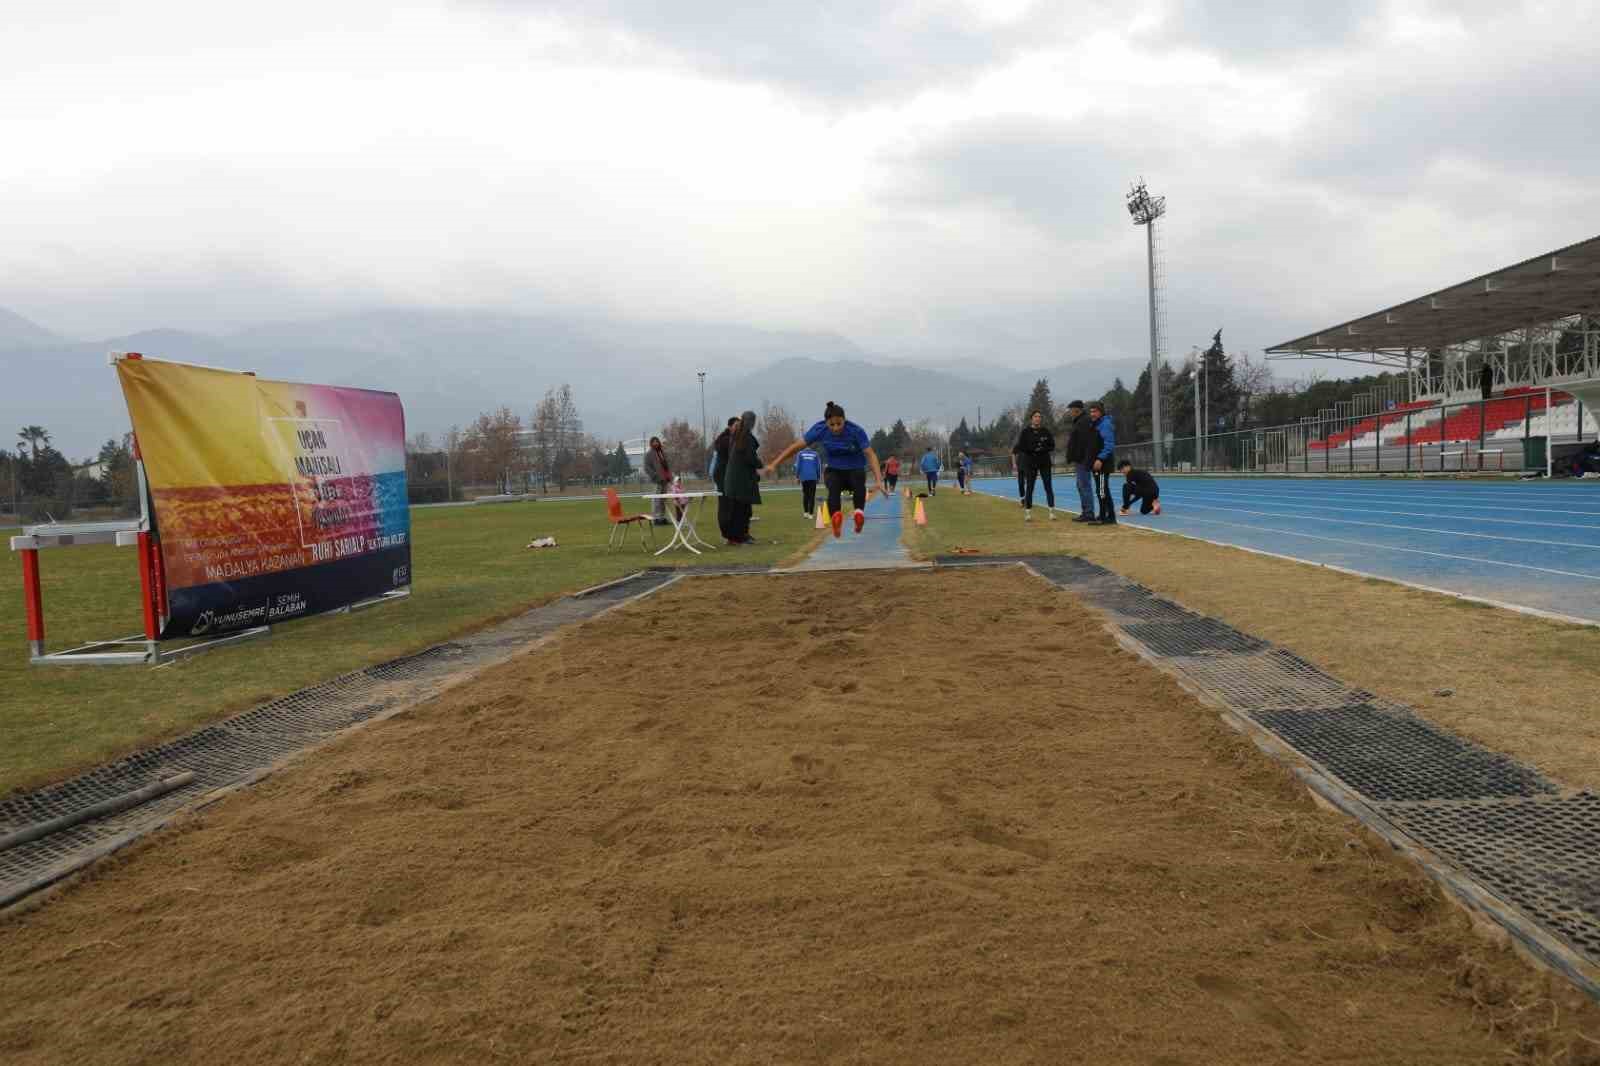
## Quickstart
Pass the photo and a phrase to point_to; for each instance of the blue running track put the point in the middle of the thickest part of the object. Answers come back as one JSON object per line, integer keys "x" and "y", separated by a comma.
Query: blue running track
{"x": 1533, "y": 545}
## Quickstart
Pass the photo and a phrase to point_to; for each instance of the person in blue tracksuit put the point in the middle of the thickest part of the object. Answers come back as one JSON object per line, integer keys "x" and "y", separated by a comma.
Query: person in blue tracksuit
{"x": 808, "y": 471}
{"x": 1104, "y": 461}
{"x": 964, "y": 473}
{"x": 849, "y": 452}
{"x": 931, "y": 466}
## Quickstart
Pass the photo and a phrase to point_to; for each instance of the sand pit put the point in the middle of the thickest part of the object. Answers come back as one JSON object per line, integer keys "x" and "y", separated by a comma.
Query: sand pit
{"x": 854, "y": 818}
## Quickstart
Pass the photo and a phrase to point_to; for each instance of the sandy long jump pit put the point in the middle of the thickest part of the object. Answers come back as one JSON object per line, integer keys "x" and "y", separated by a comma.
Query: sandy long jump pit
{"x": 917, "y": 817}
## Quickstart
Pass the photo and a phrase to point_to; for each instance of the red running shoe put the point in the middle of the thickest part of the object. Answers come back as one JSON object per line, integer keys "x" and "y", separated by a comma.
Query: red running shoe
{"x": 861, "y": 520}
{"x": 838, "y": 522}
{"x": 1155, "y": 507}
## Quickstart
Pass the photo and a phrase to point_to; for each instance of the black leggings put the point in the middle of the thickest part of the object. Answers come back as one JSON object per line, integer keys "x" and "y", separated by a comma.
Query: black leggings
{"x": 1102, "y": 490}
{"x": 839, "y": 480}
{"x": 1129, "y": 495}
{"x": 808, "y": 496}
{"x": 1032, "y": 467}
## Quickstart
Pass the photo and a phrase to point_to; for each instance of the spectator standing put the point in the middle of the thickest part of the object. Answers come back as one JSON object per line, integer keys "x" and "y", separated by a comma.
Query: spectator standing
{"x": 743, "y": 480}
{"x": 1031, "y": 453}
{"x": 659, "y": 471}
{"x": 1104, "y": 461}
{"x": 1082, "y": 443}
{"x": 808, "y": 471}
{"x": 931, "y": 466}
{"x": 964, "y": 473}
{"x": 719, "y": 473}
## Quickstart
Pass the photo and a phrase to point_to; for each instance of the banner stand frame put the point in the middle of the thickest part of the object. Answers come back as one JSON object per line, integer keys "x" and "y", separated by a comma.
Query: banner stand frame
{"x": 140, "y": 648}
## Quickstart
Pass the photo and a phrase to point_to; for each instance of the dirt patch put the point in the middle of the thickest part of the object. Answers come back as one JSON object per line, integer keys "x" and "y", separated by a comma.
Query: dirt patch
{"x": 1518, "y": 684}
{"x": 715, "y": 850}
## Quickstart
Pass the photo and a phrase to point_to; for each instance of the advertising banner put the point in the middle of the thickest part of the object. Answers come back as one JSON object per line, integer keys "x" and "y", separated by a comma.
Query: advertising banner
{"x": 272, "y": 500}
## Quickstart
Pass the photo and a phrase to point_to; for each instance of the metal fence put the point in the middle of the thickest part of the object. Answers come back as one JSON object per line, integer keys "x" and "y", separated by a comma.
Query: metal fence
{"x": 1530, "y": 431}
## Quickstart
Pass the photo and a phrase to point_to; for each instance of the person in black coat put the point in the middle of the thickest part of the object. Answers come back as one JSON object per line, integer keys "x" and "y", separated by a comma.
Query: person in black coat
{"x": 742, "y": 486}
{"x": 1082, "y": 441}
{"x": 1139, "y": 485}
{"x": 1032, "y": 451}
{"x": 719, "y": 473}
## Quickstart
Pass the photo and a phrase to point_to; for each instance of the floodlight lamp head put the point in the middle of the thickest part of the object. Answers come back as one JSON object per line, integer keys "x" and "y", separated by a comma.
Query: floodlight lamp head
{"x": 1144, "y": 208}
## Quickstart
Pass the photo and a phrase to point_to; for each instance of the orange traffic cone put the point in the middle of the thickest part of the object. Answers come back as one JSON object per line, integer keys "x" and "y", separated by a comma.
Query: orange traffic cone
{"x": 822, "y": 516}
{"x": 920, "y": 516}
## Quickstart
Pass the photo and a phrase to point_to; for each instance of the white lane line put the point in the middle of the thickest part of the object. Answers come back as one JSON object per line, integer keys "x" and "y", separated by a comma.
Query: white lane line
{"x": 1392, "y": 525}
{"x": 1182, "y": 494}
{"x": 1394, "y": 548}
{"x": 1517, "y": 607}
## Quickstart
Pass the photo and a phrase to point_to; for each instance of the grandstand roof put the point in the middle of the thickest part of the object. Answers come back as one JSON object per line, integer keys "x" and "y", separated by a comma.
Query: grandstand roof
{"x": 1538, "y": 290}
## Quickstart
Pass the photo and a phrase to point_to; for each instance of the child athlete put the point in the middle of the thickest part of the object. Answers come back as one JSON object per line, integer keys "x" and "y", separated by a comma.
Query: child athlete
{"x": 849, "y": 452}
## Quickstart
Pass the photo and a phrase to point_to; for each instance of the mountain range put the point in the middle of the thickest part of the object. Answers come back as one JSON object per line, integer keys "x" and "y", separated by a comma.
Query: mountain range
{"x": 628, "y": 376}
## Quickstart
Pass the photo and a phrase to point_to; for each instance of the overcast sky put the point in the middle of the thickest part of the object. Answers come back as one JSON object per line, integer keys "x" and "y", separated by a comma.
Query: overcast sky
{"x": 922, "y": 177}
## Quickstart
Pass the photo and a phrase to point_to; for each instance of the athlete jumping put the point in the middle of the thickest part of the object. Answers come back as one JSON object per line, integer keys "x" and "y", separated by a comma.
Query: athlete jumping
{"x": 849, "y": 451}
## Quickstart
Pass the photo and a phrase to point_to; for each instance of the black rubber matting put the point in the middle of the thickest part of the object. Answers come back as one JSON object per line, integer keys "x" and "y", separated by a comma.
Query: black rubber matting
{"x": 1389, "y": 755}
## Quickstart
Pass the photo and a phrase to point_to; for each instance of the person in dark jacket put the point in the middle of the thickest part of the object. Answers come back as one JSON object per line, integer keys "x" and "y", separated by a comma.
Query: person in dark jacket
{"x": 1032, "y": 455}
{"x": 719, "y": 473}
{"x": 1082, "y": 441}
{"x": 742, "y": 485}
{"x": 1486, "y": 379}
{"x": 1139, "y": 485}
{"x": 659, "y": 471}
{"x": 1104, "y": 461}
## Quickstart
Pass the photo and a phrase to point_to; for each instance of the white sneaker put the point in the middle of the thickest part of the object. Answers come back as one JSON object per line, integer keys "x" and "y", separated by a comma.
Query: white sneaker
{"x": 1052, "y": 511}
{"x": 1027, "y": 514}
{"x": 807, "y": 514}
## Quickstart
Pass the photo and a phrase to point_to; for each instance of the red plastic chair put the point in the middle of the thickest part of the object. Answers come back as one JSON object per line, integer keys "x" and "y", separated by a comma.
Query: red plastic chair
{"x": 620, "y": 523}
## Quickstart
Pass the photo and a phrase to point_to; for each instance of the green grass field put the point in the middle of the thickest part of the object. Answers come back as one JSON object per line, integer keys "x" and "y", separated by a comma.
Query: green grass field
{"x": 470, "y": 568}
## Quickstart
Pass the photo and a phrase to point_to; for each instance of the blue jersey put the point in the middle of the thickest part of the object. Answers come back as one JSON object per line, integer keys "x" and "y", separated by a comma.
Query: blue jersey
{"x": 807, "y": 467}
{"x": 1108, "y": 437}
{"x": 966, "y": 463}
{"x": 847, "y": 450}
{"x": 930, "y": 463}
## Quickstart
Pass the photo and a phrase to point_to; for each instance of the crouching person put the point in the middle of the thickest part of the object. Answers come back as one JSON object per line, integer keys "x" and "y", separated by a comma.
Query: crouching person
{"x": 1139, "y": 485}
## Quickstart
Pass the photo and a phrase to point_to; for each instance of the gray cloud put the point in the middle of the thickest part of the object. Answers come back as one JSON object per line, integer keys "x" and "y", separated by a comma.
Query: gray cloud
{"x": 836, "y": 50}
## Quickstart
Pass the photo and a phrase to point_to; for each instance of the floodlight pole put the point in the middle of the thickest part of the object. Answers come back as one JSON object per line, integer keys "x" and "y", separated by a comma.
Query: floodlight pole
{"x": 1155, "y": 346}
{"x": 703, "y": 431}
{"x": 1145, "y": 210}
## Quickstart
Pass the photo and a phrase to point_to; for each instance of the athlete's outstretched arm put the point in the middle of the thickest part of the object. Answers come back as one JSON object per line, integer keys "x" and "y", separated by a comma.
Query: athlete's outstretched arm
{"x": 877, "y": 471}
{"x": 783, "y": 456}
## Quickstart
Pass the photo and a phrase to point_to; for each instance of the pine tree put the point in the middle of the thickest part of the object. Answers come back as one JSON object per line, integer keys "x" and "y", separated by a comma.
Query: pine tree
{"x": 1039, "y": 400}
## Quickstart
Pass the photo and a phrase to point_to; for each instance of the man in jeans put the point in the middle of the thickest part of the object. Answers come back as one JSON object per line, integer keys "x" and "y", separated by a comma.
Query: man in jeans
{"x": 1103, "y": 461}
{"x": 1082, "y": 441}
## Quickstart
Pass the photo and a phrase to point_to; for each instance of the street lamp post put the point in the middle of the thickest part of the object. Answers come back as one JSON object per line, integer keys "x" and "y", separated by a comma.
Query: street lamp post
{"x": 1145, "y": 209}
{"x": 703, "y": 433}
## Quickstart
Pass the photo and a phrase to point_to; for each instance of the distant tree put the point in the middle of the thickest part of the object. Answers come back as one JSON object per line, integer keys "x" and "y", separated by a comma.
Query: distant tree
{"x": 899, "y": 437}
{"x": 961, "y": 437}
{"x": 684, "y": 449}
{"x": 777, "y": 431}
{"x": 618, "y": 465}
{"x": 32, "y": 437}
{"x": 117, "y": 477}
{"x": 1039, "y": 400}
{"x": 1120, "y": 406}
{"x": 495, "y": 450}
{"x": 880, "y": 442}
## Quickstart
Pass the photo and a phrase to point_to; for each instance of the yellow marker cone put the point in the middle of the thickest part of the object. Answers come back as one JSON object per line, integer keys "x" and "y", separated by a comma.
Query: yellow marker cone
{"x": 921, "y": 517}
{"x": 822, "y": 516}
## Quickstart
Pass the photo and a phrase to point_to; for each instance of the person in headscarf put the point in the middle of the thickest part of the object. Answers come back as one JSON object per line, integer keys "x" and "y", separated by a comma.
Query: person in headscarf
{"x": 719, "y": 473}
{"x": 742, "y": 485}
{"x": 659, "y": 471}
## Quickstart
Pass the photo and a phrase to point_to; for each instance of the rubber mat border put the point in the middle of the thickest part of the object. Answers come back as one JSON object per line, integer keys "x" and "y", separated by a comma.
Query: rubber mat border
{"x": 1501, "y": 838}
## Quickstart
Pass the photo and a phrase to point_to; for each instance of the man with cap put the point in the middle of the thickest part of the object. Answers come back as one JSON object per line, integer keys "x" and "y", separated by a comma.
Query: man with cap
{"x": 1082, "y": 441}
